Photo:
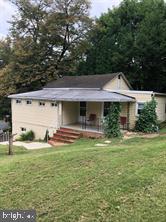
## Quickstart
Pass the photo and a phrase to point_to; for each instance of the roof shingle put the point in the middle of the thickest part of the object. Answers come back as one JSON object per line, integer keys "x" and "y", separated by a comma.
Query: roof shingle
{"x": 86, "y": 81}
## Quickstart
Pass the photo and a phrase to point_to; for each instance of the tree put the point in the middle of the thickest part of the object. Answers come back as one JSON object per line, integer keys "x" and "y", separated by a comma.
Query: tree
{"x": 47, "y": 39}
{"x": 111, "y": 121}
{"x": 5, "y": 57}
{"x": 130, "y": 39}
{"x": 147, "y": 121}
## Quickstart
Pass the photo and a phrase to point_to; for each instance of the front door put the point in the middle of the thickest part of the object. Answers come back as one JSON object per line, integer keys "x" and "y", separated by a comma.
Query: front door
{"x": 83, "y": 111}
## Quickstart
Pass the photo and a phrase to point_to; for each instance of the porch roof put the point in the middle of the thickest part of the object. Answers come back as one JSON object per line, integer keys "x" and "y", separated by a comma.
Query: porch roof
{"x": 93, "y": 95}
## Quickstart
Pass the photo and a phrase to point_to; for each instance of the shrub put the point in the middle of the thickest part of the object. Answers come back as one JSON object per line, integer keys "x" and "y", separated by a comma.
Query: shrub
{"x": 147, "y": 121}
{"x": 29, "y": 136}
{"x": 111, "y": 121}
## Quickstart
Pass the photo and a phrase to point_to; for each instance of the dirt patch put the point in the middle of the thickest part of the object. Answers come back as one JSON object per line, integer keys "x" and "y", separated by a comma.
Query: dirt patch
{"x": 129, "y": 135}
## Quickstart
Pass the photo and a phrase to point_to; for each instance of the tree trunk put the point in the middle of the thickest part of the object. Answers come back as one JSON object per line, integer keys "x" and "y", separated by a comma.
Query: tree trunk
{"x": 10, "y": 144}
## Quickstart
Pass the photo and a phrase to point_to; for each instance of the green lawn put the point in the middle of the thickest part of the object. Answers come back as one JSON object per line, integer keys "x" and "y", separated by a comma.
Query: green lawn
{"x": 163, "y": 127}
{"x": 163, "y": 130}
{"x": 125, "y": 181}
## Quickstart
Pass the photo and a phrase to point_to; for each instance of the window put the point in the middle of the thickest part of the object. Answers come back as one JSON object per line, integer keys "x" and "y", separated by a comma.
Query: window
{"x": 41, "y": 103}
{"x": 53, "y": 104}
{"x": 23, "y": 129}
{"x": 82, "y": 108}
{"x": 140, "y": 106}
{"x": 106, "y": 108}
{"x": 18, "y": 101}
{"x": 28, "y": 102}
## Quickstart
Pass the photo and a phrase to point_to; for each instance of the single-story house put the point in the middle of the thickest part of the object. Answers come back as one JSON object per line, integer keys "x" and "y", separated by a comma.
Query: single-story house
{"x": 80, "y": 102}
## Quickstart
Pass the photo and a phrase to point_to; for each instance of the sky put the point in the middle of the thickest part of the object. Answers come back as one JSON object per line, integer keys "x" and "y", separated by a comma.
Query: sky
{"x": 7, "y": 10}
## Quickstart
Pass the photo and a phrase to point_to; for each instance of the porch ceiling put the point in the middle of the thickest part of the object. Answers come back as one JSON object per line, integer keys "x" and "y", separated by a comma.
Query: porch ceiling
{"x": 74, "y": 95}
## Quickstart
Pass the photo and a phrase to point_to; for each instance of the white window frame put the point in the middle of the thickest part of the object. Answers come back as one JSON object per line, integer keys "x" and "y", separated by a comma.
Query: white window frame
{"x": 20, "y": 101}
{"x": 23, "y": 129}
{"x": 28, "y": 101}
{"x": 55, "y": 104}
{"x": 42, "y": 104}
{"x": 137, "y": 104}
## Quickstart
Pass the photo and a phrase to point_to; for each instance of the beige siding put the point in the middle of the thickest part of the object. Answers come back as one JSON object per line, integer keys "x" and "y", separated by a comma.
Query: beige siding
{"x": 132, "y": 115}
{"x": 94, "y": 108}
{"x": 70, "y": 112}
{"x": 146, "y": 97}
{"x": 116, "y": 84}
{"x": 39, "y": 119}
{"x": 129, "y": 110}
{"x": 161, "y": 106}
{"x": 124, "y": 109}
{"x": 34, "y": 117}
{"x": 140, "y": 97}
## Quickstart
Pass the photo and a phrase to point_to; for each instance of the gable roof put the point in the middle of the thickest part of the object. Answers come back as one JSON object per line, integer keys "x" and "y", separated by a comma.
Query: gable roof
{"x": 85, "y": 81}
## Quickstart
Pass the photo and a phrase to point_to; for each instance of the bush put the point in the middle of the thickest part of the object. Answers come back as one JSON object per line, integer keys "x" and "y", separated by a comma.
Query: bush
{"x": 29, "y": 136}
{"x": 147, "y": 121}
{"x": 111, "y": 121}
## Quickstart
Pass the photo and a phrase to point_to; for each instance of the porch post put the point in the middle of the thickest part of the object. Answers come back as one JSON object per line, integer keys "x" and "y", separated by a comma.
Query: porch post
{"x": 128, "y": 116}
{"x": 60, "y": 121}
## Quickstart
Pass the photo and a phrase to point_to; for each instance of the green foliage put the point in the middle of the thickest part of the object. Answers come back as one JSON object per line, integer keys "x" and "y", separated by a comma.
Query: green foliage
{"x": 147, "y": 121}
{"x": 28, "y": 136}
{"x": 111, "y": 121}
{"x": 46, "y": 40}
{"x": 84, "y": 183}
{"x": 131, "y": 39}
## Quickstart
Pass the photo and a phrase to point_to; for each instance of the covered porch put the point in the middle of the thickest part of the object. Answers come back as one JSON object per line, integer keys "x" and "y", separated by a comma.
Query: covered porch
{"x": 89, "y": 116}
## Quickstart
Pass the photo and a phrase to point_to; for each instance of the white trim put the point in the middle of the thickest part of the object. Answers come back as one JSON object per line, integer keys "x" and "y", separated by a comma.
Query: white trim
{"x": 136, "y": 111}
{"x": 102, "y": 111}
{"x": 41, "y": 102}
{"x": 28, "y": 100}
{"x": 55, "y": 104}
{"x": 20, "y": 101}
{"x": 131, "y": 91}
{"x": 23, "y": 129}
{"x": 60, "y": 114}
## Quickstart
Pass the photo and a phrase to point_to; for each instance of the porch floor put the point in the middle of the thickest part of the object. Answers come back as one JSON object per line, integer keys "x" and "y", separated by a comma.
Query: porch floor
{"x": 78, "y": 126}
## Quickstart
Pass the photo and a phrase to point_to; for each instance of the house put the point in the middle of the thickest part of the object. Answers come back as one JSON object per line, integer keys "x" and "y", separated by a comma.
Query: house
{"x": 3, "y": 126}
{"x": 80, "y": 103}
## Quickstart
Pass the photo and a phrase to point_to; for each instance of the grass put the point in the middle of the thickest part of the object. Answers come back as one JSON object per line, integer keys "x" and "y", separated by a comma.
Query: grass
{"x": 163, "y": 127}
{"x": 125, "y": 181}
{"x": 163, "y": 130}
